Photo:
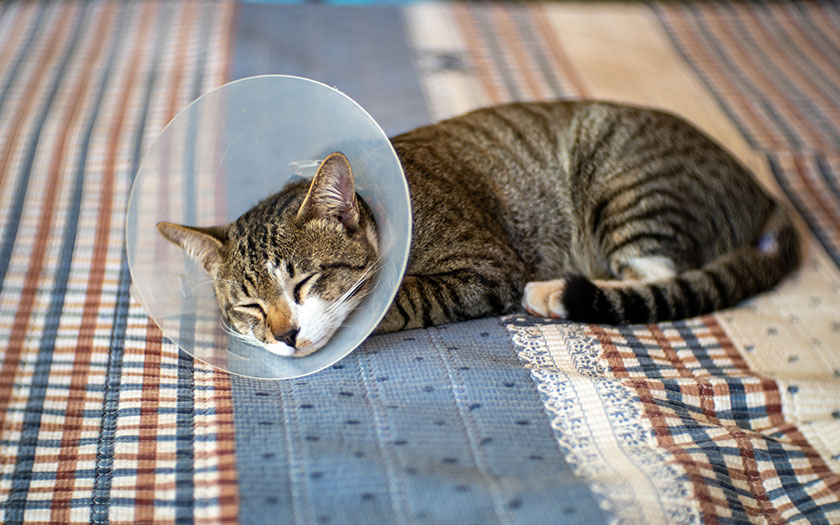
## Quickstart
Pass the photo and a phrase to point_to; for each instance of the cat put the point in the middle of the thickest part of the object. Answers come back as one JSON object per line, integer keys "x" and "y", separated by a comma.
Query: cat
{"x": 582, "y": 210}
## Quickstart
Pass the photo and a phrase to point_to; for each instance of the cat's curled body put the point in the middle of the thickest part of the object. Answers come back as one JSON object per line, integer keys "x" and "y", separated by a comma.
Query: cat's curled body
{"x": 610, "y": 213}
{"x": 590, "y": 211}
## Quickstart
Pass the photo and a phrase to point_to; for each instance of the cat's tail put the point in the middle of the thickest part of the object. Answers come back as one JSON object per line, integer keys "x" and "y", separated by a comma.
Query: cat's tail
{"x": 723, "y": 282}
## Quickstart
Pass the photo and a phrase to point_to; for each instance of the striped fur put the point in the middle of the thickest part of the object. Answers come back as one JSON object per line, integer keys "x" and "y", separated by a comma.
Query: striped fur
{"x": 289, "y": 270}
{"x": 613, "y": 214}
{"x": 582, "y": 191}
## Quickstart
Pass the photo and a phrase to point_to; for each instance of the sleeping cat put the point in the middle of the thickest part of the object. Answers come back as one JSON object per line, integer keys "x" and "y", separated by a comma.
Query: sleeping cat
{"x": 589, "y": 211}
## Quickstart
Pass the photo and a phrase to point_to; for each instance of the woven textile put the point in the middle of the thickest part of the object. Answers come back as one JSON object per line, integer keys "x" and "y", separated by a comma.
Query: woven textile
{"x": 730, "y": 417}
{"x": 742, "y": 405}
{"x": 439, "y": 425}
{"x": 101, "y": 420}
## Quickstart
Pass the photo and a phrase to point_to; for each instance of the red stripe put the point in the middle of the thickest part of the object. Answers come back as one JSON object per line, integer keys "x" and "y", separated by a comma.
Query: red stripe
{"x": 51, "y": 49}
{"x": 147, "y": 457}
{"x": 814, "y": 195}
{"x": 790, "y": 67}
{"x": 478, "y": 54}
{"x": 794, "y": 31}
{"x": 558, "y": 54}
{"x": 521, "y": 61}
{"x": 760, "y": 79}
{"x": 19, "y": 22}
{"x": 820, "y": 16}
{"x": 147, "y": 447}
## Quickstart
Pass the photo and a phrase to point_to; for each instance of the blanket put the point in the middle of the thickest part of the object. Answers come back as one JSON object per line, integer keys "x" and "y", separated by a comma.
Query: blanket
{"x": 725, "y": 418}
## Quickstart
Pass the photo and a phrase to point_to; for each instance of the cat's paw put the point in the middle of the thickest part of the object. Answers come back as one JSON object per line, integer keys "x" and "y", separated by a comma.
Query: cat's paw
{"x": 545, "y": 298}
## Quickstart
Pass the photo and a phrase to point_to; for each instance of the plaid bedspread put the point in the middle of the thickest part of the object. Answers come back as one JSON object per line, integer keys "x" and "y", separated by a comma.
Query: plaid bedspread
{"x": 726, "y": 418}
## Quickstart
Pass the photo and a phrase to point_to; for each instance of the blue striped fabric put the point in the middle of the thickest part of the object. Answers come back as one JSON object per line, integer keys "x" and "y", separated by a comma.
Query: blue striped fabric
{"x": 795, "y": 95}
{"x": 366, "y": 56}
{"x": 440, "y": 425}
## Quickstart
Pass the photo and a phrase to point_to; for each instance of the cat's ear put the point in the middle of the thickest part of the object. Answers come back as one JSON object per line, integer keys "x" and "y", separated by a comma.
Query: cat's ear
{"x": 332, "y": 193}
{"x": 202, "y": 244}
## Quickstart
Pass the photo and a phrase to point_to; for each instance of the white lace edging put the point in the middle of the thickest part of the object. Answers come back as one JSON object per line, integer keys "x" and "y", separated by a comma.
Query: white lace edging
{"x": 561, "y": 391}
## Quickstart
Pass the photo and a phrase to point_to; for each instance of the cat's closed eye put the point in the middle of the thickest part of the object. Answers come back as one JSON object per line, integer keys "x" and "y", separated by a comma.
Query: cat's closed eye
{"x": 254, "y": 309}
{"x": 299, "y": 287}
{"x": 270, "y": 266}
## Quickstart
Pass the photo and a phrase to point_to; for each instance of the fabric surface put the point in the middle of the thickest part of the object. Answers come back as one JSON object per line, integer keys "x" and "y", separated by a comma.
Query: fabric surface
{"x": 433, "y": 426}
{"x": 439, "y": 426}
{"x": 102, "y": 420}
{"x": 730, "y": 417}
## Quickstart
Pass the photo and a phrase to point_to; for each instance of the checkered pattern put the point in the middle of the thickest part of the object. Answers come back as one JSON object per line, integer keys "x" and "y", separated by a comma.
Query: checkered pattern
{"x": 100, "y": 420}
{"x": 721, "y": 422}
{"x": 726, "y": 418}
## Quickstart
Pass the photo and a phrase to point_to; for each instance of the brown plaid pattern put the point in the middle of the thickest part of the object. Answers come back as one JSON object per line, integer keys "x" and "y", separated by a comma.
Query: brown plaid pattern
{"x": 100, "y": 419}
{"x": 721, "y": 422}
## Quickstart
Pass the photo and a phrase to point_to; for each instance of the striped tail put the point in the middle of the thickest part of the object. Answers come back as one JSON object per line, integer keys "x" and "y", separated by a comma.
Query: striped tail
{"x": 723, "y": 282}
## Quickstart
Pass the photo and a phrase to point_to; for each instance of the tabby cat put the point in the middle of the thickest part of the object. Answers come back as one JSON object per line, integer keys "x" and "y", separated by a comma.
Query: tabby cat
{"x": 589, "y": 211}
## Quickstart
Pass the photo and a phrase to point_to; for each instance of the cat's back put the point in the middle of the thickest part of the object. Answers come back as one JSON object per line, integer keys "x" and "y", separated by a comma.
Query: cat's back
{"x": 525, "y": 151}
{"x": 503, "y": 169}
{"x": 538, "y": 175}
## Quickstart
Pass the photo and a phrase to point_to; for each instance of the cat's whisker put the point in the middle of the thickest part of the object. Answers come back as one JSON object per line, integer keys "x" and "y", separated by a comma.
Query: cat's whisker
{"x": 231, "y": 332}
{"x": 336, "y": 305}
{"x": 348, "y": 293}
{"x": 200, "y": 280}
{"x": 196, "y": 282}
{"x": 236, "y": 335}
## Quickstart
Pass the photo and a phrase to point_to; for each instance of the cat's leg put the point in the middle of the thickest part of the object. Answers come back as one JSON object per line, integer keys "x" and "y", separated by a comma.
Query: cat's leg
{"x": 634, "y": 253}
{"x": 644, "y": 267}
{"x": 488, "y": 287}
{"x": 545, "y": 298}
{"x": 632, "y": 256}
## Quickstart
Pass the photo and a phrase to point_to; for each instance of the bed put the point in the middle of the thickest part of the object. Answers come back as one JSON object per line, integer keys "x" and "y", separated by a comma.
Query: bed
{"x": 725, "y": 418}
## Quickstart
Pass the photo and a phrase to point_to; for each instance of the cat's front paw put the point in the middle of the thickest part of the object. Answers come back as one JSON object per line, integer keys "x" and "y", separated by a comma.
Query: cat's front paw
{"x": 545, "y": 298}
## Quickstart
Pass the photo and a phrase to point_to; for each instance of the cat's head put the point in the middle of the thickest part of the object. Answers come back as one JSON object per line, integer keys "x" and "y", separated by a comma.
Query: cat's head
{"x": 289, "y": 271}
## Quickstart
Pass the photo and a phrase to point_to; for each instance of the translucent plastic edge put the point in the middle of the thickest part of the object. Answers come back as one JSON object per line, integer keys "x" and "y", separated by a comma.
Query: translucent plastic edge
{"x": 135, "y": 290}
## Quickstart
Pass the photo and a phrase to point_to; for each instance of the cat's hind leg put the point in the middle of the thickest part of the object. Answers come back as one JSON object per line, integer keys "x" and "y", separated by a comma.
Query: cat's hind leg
{"x": 644, "y": 268}
{"x": 546, "y": 298}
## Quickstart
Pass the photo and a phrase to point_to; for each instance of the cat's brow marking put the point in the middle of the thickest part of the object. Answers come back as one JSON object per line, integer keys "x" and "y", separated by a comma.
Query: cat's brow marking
{"x": 279, "y": 279}
{"x": 346, "y": 266}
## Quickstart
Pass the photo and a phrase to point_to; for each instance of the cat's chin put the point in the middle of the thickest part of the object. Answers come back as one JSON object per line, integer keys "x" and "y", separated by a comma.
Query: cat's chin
{"x": 307, "y": 350}
{"x": 304, "y": 350}
{"x": 280, "y": 349}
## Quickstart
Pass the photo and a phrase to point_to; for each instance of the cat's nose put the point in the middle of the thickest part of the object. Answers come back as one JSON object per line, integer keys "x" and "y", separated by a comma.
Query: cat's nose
{"x": 290, "y": 337}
